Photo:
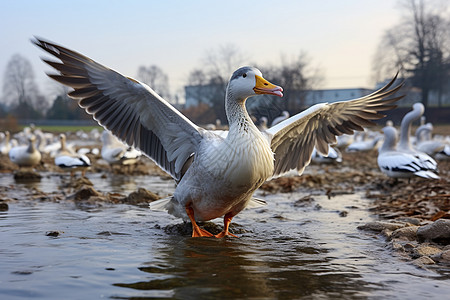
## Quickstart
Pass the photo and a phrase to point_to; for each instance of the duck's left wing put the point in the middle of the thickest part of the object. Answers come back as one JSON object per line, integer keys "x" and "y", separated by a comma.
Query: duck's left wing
{"x": 293, "y": 140}
{"x": 131, "y": 110}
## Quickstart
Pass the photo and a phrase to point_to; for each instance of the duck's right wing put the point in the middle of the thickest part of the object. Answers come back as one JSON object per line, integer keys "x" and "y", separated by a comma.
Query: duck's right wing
{"x": 293, "y": 140}
{"x": 131, "y": 110}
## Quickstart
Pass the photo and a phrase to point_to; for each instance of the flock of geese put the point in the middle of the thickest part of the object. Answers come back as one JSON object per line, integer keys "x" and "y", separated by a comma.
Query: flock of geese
{"x": 217, "y": 173}
{"x": 27, "y": 152}
{"x": 399, "y": 157}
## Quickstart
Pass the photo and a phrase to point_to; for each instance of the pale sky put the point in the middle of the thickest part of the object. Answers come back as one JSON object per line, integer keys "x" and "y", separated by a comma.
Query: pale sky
{"x": 340, "y": 37}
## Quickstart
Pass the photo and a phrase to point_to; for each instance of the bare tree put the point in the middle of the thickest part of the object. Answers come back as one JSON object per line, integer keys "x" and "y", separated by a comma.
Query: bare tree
{"x": 197, "y": 77}
{"x": 218, "y": 65}
{"x": 419, "y": 47}
{"x": 221, "y": 63}
{"x": 156, "y": 79}
{"x": 19, "y": 85}
{"x": 297, "y": 76}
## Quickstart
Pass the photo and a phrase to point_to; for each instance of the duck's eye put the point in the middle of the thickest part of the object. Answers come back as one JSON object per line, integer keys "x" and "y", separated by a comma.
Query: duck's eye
{"x": 244, "y": 75}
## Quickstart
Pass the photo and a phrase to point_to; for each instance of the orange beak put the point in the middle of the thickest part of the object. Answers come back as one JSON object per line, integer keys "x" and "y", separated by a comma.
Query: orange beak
{"x": 262, "y": 86}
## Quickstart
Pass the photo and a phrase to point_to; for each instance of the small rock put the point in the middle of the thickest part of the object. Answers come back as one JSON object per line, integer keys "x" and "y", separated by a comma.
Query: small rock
{"x": 380, "y": 226}
{"x": 85, "y": 193}
{"x": 424, "y": 260}
{"x": 409, "y": 246}
{"x": 438, "y": 231}
{"x": 141, "y": 196}
{"x": 426, "y": 250}
{"x": 406, "y": 233}
{"x": 52, "y": 233}
{"x": 387, "y": 233}
{"x": 446, "y": 255}
{"x": 4, "y": 206}
{"x": 398, "y": 247}
{"x": 343, "y": 213}
{"x": 410, "y": 220}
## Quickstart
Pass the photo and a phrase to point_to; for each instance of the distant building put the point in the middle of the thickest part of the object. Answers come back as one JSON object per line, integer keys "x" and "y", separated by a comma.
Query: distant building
{"x": 333, "y": 95}
{"x": 299, "y": 100}
{"x": 196, "y": 94}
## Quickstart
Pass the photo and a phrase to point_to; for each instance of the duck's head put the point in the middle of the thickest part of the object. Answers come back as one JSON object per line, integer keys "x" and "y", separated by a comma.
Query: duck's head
{"x": 248, "y": 81}
{"x": 390, "y": 134}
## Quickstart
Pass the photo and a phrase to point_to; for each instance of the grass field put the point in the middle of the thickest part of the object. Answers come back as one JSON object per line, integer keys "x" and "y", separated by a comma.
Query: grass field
{"x": 61, "y": 129}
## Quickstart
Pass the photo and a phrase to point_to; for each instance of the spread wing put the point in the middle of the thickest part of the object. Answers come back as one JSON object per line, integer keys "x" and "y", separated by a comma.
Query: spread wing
{"x": 293, "y": 140}
{"x": 131, "y": 110}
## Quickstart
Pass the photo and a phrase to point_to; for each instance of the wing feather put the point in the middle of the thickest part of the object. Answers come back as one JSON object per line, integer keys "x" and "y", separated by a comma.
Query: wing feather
{"x": 293, "y": 140}
{"x": 129, "y": 109}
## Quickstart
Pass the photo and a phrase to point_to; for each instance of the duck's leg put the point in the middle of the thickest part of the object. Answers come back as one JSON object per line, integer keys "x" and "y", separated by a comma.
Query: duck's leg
{"x": 196, "y": 230}
{"x": 226, "y": 224}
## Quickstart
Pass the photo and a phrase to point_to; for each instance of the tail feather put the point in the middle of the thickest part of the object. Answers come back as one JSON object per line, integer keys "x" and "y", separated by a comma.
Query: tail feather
{"x": 427, "y": 174}
{"x": 164, "y": 204}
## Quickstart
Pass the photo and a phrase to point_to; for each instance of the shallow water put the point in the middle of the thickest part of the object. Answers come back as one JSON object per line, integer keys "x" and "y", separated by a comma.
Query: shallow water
{"x": 292, "y": 249}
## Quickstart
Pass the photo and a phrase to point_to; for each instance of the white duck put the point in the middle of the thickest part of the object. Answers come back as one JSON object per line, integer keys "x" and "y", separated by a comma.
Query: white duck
{"x": 434, "y": 147}
{"x": 397, "y": 164}
{"x": 115, "y": 152}
{"x": 279, "y": 119}
{"x": 363, "y": 144}
{"x": 333, "y": 155}
{"x": 5, "y": 146}
{"x": 216, "y": 176}
{"x": 404, "y": 144}
{"x": 25, "y": 156}
{"x": 70, "y": 161}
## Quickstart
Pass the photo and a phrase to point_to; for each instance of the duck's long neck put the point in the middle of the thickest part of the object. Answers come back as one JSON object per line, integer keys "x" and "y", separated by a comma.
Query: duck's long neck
{"x": 31, "y": 147}
{"x": 63, "y": 144}
{"x": 405, "y": 129}
{"x": 390, "y": 139}
{"x": 237, "y": 115}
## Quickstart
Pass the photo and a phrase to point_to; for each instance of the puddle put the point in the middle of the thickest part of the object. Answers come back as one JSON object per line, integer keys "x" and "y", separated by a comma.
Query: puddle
{"x": 309, "y": 250}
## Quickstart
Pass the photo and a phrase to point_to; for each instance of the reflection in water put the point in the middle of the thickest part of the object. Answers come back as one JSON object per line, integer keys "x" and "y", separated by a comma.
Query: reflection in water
{"x": 52, "y": 182}
{"x": 279, "y": 268}
{"x": 124, "y": 252}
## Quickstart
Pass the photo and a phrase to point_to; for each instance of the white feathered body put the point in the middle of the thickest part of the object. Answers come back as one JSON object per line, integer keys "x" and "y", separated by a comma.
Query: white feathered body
{"x": 72, "y": 162}
{"x": 405, "y": 165}
{"x": 22, "y": 156}
{"x": 230, "y": 169}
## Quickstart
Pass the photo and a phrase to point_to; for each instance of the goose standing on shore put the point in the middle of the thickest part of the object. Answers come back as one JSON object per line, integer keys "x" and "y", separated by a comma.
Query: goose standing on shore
{"x": 70, "y": 161}
{"x": 279, "y": 119}
{"x": 400, "y": 164}
{"x": 5, "y": 146}
{"x": 433, "y": 147}
{"x": 404, "y": 144}
{"x": 115, "y": 152}
{"x": 216, "y": 176}
{"x": 26, "y": 156}
{"x": 333, "y": 156}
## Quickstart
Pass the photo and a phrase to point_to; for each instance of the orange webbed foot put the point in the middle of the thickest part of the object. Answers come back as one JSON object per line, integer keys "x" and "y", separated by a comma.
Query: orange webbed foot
{"x": 226, "y": 224}
{"x": 224, "y": 234}
{"x": 200, "y": 232}
{"x": 196, "y": 230}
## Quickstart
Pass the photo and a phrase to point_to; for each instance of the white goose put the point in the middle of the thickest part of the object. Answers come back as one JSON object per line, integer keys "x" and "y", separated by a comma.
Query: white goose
{"x": 25, "y": 156}
{"x": 404, "y": 144}
{"x": 279, "y": 119}
{"x": 333, "y": 155}
{"x": 364, "y": 145}
{"x": 115, "y": 152}
{"x": 70, "y": 161}
{"x": 216, "y": 176}
{"x": 397, "y": 164}
{"x": 434, "y": 147}
{"x": 5, "y": 146}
